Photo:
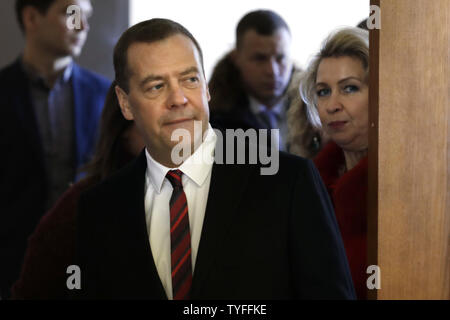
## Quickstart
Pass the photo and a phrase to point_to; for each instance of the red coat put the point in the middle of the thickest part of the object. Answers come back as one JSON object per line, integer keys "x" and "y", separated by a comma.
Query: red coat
{"x": 51, "y": 249}
{"x": 349, "y": 196}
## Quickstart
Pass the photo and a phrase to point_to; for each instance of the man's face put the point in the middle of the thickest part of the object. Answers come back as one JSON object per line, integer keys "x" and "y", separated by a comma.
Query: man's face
{"x": 265, "y": 64}
{"x": 51, "y": 33}
{"x": 167, "y": 91}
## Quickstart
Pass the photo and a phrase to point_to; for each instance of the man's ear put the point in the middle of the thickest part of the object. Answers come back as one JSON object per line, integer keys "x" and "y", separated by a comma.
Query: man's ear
{"x": 208, "y": 95}
{"x": 30, "y": 18}
{"x": 234, "y": 57}
{"x": 122, "y": 97}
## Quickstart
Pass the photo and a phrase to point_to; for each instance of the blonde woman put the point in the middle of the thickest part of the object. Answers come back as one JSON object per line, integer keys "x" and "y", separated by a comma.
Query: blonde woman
{"x": 335, "y": 91}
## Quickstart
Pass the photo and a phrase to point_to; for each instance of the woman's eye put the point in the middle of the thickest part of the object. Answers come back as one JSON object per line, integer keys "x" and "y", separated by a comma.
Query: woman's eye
{"x": 323, "y": 92}
{"x": 350, "y": 88}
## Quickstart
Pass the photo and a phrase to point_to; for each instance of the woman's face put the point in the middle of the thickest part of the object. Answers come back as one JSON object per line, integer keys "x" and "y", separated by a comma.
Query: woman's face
{"x": 343, "y": 101}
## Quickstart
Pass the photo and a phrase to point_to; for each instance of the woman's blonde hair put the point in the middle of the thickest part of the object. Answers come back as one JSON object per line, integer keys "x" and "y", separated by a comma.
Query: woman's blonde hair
{"x": 353, "y": 42}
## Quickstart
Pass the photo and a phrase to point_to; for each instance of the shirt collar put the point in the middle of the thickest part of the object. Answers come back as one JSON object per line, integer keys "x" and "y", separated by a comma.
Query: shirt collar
{"x": 257, "y": 107}
{"x": 196, "y": 167}
{"x": 34, "y": 76}
{"x": 67, "y": 73}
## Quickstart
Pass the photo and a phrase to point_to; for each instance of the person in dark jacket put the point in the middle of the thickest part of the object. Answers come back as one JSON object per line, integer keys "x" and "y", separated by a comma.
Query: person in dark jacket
{"x": 198, "y": 228}
{"x": 254, "y": 85}
{"x": 49, "y": 116}
{"x": 51, "y": 247}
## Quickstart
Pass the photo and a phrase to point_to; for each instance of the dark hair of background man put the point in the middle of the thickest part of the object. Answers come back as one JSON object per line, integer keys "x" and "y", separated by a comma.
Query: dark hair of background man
{"x": 363, "y": 24}
{"x": 147, "y": 31}
{"x": 264, "y": 22}
{"x": 41, "y": 5}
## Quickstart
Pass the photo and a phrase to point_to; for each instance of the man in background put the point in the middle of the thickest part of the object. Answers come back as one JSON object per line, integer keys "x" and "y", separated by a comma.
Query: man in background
{"x": 250, "y": 85}
{"x": 50, "y": 108}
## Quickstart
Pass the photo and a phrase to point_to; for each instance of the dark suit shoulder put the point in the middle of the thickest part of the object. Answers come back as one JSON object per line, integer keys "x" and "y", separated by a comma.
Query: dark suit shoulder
{"x": 287, "y": 163}
{"x": 118, "y": 183}
{"x": 290, "y": 163}
{"x": 304, "y": 173}
{"x": 10, "y": 75}
{"x": 8, "y": 69}
{"x": 292, "y": 160}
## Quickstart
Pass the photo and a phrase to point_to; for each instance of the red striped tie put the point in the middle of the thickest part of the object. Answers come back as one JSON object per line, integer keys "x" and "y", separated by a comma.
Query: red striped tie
{"x": 180, "y": 239}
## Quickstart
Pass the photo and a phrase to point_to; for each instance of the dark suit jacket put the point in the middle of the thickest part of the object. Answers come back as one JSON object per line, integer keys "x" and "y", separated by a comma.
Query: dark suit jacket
{"x": 242, "y": 118}
{"x": 263, "y": 237}
{"x": 23, "y": 182}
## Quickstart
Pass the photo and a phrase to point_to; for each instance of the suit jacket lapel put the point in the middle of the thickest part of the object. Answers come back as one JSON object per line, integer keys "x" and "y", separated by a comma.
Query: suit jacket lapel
{"x": 22, "y": 105}
{"x": 228, "y": 183}
{"x": 132, "y": 223}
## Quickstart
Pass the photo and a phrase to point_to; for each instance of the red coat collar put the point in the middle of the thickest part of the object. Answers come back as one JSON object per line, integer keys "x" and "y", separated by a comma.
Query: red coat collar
{"x": 328, "y": 162}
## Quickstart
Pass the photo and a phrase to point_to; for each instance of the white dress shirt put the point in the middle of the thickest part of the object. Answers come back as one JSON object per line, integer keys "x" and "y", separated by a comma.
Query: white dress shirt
{"x": 158, "y": 190}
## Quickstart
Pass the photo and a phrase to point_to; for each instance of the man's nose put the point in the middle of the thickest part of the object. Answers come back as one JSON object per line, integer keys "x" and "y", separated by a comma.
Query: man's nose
{"x": 176, "y": 98}
{"x": 271, "y": 67}
{"x": 84, "y": 24}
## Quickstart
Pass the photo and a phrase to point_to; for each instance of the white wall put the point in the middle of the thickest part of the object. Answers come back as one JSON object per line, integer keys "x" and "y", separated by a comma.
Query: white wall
{"x": 213, "y": 22}
{"x": 109, "y": 20}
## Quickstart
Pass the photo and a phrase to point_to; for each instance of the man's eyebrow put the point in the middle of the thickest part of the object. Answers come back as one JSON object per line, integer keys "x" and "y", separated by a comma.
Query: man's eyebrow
{"x": 150, "y": 78}
{"x": 189, "y": 70}
{"x": 153, "y": 77}
{"x": 260, "y": 54}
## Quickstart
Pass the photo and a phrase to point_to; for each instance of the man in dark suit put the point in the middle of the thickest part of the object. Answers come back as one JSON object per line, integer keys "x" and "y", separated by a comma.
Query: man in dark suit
{"x": 175, "y": 224}
{"x": 256, "y": 83}
{"x": 49, "y": 114}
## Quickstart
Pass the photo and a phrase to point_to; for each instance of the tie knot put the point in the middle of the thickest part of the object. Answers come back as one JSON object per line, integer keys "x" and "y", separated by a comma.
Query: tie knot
{"x": 174, "y": 177}
{"x": 269, "y": 118}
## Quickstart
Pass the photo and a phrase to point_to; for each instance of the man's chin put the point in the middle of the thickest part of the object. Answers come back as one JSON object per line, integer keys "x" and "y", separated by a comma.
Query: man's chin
{"x": 190, "y": 130}
{"x": 76, "y": 52}
{"x": 269, "y": 97}
{"x": 187, "y": 124}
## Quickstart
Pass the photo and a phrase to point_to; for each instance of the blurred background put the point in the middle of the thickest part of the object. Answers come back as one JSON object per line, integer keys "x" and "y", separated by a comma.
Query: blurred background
{"x": 213, "y": 23}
